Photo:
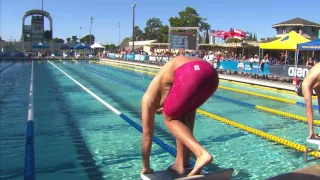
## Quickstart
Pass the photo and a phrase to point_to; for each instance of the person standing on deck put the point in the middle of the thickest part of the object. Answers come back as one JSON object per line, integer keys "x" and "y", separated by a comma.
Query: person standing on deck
{"x": 181, "y": 86}
{"x": 311, "y": 82}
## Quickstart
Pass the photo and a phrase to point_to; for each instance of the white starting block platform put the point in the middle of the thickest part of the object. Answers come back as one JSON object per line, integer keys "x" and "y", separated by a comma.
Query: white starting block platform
{"x": 308, "y": 150}
{"x": 224, "y": 174}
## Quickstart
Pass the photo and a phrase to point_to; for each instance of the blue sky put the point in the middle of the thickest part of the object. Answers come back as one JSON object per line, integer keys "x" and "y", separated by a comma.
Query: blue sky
{"x": 69, "y": 15}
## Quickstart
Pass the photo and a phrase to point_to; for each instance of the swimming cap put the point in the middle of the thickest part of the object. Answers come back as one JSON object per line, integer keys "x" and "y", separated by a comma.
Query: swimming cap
{"x": 299, "y": 90}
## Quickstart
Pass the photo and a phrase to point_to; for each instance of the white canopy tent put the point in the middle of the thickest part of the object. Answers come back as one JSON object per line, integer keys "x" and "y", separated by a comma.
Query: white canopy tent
{"x": 97, "y": 46}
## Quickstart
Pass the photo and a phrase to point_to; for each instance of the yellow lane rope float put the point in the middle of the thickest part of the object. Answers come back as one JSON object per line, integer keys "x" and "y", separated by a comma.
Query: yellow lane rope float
{"x": 262, "y": 134}
{"x": 257, "y": 132}
{"x": 227, "y": 81}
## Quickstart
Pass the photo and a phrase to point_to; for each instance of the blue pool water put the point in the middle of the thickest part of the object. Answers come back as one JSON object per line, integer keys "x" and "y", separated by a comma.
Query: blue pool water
{"x": 76, "y": 137}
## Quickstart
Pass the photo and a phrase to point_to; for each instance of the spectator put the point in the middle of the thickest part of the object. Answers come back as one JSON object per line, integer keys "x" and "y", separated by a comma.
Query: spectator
{"x": 211, "y": 57}
{"x": 310, "y": 62}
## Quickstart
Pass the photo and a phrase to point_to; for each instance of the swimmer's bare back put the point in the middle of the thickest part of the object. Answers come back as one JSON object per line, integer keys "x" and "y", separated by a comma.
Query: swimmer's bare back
{"x": 313, "y": 77}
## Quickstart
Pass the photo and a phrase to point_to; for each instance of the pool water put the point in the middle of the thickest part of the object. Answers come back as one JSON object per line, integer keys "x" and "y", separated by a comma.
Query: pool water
{"x": 77, "y": 137}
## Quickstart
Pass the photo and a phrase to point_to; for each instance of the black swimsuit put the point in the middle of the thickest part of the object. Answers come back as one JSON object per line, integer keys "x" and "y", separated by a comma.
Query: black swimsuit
{"x": 311, "y": 63}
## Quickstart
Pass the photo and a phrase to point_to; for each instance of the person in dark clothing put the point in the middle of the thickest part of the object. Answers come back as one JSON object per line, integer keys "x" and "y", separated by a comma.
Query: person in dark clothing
{"x": 310, "y": 62}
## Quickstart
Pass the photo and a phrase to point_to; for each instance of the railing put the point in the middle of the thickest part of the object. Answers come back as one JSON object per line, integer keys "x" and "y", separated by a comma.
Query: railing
{"x": 280, "y": 72}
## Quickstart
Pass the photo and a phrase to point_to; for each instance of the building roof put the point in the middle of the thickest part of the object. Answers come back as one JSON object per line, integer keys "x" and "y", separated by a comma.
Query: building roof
{"x": 297, "y": 22}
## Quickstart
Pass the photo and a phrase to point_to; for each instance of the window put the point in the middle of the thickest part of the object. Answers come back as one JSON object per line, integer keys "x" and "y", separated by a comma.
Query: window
{"x": 279, "y": 30}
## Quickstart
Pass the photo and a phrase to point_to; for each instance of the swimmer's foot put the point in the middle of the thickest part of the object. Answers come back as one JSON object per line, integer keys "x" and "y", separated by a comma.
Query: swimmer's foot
{"x": 179, "y": 170}
{"x": 201, "y": 162}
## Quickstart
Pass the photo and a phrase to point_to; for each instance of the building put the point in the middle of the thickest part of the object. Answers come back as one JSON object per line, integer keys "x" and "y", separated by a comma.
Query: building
{"x": 304, "y": 27}
{"x": 34, "y": 33}
{"x": 37, "y": 28}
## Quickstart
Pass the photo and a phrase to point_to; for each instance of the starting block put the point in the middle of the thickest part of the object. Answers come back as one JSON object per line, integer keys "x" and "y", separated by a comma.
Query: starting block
{"x": 308, "y": 149}
{"x": 224, "y": 174}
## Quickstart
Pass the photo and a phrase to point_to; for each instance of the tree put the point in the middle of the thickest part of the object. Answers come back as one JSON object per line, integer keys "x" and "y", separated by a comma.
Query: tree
{"x": 188, "y": 18}
{"x": 86, "y": 39}
{"x": 255, "y": 37}
{"x": 58, "y": 40}
{"x": 125, "y": 42}
{"x": 47, "y": 35}
{"x": 205, "y": 26}
{"x": 74, "y": 39}
{"x": 110, "y": 46}
{"x": 68, "y": 40}
{"x": 138, "y": 34}
{"x": 26, "y": 38}
{"x": 164, "y": 31}
{"x": 152, "y": 29}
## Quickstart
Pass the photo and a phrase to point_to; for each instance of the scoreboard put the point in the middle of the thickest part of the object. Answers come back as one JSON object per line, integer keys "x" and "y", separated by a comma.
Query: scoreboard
{"x": 183, "y": 40}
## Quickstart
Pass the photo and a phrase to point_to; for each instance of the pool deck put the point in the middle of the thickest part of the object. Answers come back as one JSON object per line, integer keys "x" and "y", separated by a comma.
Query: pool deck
{"x": 310, "y": 172}
{"x": 260, "y": 82}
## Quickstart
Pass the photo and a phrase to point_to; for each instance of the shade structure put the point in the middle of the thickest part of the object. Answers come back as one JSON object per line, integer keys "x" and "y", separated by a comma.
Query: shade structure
{"x": 40, "y": 45}
{"x": 97, "y": 46}
{"x": 65, "y": 46}
{"x": 288, "y": 42}
{"x": 82, "y": 46}
{"x": 310, "y": 46}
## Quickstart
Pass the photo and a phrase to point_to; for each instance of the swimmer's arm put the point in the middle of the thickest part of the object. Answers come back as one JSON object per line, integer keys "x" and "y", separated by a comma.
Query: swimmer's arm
{"x": 148, "y": 115}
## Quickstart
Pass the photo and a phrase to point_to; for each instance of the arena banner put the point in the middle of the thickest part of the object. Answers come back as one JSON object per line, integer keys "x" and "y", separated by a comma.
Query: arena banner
{"x": 245, "y": 67}
{"x": 139, "y": 57}
{"x": 289, "y": 71}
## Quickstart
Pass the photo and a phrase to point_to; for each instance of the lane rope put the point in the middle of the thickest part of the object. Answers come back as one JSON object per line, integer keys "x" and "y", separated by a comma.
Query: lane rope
{"x": 155, "y": 139}
{"x": 302, "y": 104}
{"x": 29, "y": 167}
{"x": 251, "y": 130}
{"x": 142, "y": 66}
{"x": 7, "y": 67}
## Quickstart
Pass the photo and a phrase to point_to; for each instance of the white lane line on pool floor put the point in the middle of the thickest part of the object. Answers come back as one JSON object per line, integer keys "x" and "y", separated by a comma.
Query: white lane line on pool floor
{"x": 88, "y": 91}
{"x": 30, "y": 106}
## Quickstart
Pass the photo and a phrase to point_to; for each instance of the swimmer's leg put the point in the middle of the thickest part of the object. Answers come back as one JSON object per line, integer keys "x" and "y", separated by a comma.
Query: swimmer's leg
{"x": 190, "y": 118}
{"x": 183, "y": 153}
{"x": 178, "y": 166}
{"x": 183, "y": 133}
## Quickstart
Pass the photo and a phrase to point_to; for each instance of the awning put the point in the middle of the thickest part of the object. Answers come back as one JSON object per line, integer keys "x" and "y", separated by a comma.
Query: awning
{"x": 82, "y": 46}
{"x": 310, "y": 46}
{"x": 40, "y": 45}
{"x": 288, "y": 42}
{"x": 96, "y": 46}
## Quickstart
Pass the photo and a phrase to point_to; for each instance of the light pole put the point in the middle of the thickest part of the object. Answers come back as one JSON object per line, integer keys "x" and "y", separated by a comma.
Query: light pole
{"x": 80, "y": 34}
{"x": 119, "y": 33}
{"x": 133, "y": 13}
{"x": 91, "y": 19}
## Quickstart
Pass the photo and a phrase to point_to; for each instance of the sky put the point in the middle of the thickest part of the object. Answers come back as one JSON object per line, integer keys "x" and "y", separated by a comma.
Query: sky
{"x": 69, "y": 15}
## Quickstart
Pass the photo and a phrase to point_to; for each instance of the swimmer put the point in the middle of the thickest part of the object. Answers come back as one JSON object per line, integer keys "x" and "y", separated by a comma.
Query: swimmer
{"x": 180, "y": 87}
{"x": 311, "y": 82}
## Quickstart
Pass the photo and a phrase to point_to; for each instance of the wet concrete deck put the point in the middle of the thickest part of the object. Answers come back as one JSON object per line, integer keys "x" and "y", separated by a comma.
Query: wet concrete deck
{"x": 307, "y": 173}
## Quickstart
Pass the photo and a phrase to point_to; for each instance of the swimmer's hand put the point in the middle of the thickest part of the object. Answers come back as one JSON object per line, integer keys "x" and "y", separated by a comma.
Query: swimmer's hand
{"x": 147, "y": 171}
{"x": 159, "y": 111}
